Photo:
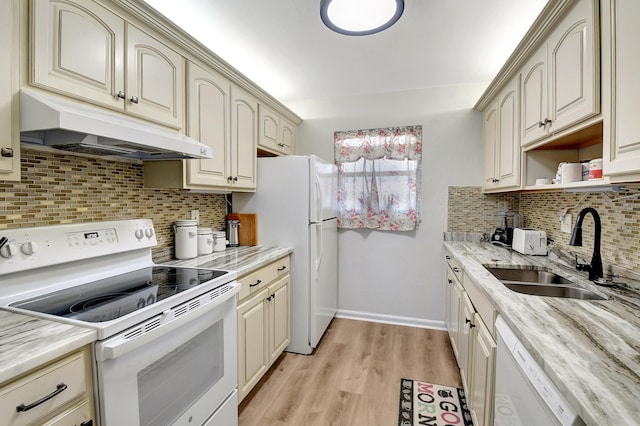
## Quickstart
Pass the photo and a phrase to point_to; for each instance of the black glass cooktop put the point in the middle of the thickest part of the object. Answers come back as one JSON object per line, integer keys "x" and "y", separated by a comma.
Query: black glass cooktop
{"x": 113, "y": 297}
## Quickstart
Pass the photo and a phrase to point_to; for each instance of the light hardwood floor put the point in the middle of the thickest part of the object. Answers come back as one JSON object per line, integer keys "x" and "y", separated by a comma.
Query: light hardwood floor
{"x": 352, "y": 379}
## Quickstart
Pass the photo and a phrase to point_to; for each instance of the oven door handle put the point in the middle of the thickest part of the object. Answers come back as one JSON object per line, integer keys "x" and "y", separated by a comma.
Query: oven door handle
{"x": 121, "y": 344}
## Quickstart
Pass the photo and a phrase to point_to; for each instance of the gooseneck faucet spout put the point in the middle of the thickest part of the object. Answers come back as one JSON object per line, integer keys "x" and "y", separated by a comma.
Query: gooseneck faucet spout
{"x": 595, "y": 269}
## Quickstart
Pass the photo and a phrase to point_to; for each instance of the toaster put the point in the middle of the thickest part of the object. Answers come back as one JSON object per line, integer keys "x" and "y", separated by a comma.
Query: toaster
{"x": 529, "y": 241}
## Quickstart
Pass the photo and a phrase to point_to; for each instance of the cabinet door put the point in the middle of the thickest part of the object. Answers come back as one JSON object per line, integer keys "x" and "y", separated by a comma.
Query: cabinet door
{"x": 208, "y": 108}
{"x": 287, "y": 137}
{"x": 244, "y": 139}
{"x": 621, "y": 95}
{"x": 534, "y": 97}
{"x": 279, "y": 324}
{"x": 77, "y": 50}
{"x": 269, "y": 129}
{"x": 490, "y": 136}
{"x": 454, "y": 294}
{"x": 253, "y": 358}
{"x": 482, "y": 372}
{"x": 574, "y": 60}
{"x": 155, "y": 80}
{"x": 508, "y": 148}
{"x": 9, "y": 116}
{"x": 465, "y": 345}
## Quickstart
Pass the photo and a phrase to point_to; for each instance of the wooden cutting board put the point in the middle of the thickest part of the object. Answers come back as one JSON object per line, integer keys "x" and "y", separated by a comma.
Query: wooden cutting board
{"x": 248, "y": 231}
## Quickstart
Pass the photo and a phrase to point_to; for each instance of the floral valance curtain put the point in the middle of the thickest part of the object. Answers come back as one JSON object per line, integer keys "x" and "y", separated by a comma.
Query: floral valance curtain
{"x": 379, "y": 178}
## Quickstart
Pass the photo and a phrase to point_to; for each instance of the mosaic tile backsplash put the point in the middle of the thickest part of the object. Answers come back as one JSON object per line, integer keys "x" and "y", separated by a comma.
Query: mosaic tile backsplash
{"x": 470, "y": 210}
{"x": 57, "y": 188}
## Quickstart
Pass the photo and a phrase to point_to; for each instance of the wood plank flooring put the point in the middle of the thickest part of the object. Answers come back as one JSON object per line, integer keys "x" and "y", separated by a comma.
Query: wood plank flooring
{"x": 353, "y": 377}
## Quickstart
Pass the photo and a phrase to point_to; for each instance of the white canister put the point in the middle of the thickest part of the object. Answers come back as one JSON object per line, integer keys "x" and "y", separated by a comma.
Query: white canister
{"x": 571, "y": 172}
{"x": 186, "y": 238}
{"x": 205, "y": 241}
{"x": 595, "y": 169}
{"x": 219, "y": 241}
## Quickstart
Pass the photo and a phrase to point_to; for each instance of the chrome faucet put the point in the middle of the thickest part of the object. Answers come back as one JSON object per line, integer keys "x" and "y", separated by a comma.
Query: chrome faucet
{"x": 595, "y": 268}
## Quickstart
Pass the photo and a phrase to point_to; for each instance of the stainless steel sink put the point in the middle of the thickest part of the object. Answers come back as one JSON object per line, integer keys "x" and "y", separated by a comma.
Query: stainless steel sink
{"x": 567, "y": 292}
{"x": 527, "y": 275}
{"x": 538, "y": 281}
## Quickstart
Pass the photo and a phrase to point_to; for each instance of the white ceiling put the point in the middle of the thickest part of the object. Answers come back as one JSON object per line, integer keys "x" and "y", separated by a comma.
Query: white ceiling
{"x": 283, "y": 46}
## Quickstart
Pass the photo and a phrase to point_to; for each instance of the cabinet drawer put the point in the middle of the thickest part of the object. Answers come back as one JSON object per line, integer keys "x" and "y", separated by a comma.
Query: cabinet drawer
{"x": 79, "y": 415}
{"x": 484, "y": 308}
{"x": 263, "y": 276}
{"x": 455, "y": 267}
{"x": 70, "y": 372}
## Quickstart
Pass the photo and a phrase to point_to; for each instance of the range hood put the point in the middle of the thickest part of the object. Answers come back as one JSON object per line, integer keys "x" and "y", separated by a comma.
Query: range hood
{"x": 71, "y": 126}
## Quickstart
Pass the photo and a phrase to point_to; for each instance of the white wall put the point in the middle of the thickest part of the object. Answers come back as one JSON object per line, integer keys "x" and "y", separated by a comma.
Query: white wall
{"x": 399, "y": 277}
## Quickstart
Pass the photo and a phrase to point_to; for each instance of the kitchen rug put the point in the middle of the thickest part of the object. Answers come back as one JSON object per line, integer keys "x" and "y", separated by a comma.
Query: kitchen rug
{"x": 432, "y": 405}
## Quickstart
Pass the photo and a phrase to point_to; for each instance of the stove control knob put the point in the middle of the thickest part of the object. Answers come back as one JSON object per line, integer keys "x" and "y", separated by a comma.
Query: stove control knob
{"x": 29, "y": 248}
{"x": 148, "y": 232}
{"x": 139, "y": 234}
{"x": 8, "y": 250}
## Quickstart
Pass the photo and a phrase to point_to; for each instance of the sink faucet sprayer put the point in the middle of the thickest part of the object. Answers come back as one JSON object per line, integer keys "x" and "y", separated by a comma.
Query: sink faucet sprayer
{"x": 595, "y": 269}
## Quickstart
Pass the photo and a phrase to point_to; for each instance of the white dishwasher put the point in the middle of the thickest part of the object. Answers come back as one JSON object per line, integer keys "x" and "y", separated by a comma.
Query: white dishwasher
{"x": 525, "y": 396}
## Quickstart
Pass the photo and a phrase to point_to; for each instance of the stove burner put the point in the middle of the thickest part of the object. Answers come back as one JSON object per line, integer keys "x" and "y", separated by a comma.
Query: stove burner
{"x": 85, "y": 305}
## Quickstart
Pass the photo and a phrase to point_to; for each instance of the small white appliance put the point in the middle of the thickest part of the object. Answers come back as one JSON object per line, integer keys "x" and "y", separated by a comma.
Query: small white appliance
{"x": 525, "y": 396}
{"x": 296, "y": 202}
{"x": 166, "y": 352}
{"x": 530, "y": 241}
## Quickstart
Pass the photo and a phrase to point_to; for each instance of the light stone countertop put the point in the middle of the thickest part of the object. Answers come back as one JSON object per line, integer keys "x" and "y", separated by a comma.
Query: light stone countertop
{"x": 27, "y": 342}
{"x": 589, "y": 349}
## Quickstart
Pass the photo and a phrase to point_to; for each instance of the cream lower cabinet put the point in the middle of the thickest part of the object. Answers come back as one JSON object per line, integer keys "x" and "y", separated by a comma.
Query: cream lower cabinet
{"x": 68, "y": 386}
{"x": 621, "y": 89}
{"x": 468, "y": 313}
{"x": 276, "y": 134}
{"x": 263, "y": 322}
{"x": 85, "y": 51}
{"x": 210, "y": 120}
{"x": 9, "y": 122}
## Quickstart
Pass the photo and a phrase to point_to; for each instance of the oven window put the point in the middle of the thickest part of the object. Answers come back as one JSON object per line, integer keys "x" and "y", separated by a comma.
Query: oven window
{"x": 168, "y": 387}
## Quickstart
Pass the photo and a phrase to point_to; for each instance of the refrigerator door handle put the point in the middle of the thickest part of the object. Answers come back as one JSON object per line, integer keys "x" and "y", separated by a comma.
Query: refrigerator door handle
{"x": 319, "y": 242}
{"x": 318, "y": 202}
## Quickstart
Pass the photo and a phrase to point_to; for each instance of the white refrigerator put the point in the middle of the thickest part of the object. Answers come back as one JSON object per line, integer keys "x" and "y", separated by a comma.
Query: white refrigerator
{"x": 296, "y": 206}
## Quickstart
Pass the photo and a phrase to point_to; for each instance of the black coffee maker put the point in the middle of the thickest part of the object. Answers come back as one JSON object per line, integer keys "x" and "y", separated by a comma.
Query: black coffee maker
{"x": 505, "y": 222}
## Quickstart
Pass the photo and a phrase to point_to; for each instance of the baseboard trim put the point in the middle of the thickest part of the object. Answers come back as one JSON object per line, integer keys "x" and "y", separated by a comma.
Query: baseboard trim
{"x": 391, "y": 319}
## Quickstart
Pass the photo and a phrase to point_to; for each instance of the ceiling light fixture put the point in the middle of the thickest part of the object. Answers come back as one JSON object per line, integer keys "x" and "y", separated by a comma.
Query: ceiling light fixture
{"x": 360, "y": 17}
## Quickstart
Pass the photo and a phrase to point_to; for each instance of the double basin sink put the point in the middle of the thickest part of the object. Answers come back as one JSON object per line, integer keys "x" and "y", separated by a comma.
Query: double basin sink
{"x": 538, "y": 281}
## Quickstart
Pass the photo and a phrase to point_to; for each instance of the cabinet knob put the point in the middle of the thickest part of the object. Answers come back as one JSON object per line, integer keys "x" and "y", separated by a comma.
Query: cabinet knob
{"x": 134, "y": 99}
{"x": 6, "y": 152}
{"x": 121, "y": 95}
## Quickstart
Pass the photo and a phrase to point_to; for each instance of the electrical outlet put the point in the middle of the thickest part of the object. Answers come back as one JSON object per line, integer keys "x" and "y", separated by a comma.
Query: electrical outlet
{"x": 565, "y": 223}
{"x": 195, "y": 215}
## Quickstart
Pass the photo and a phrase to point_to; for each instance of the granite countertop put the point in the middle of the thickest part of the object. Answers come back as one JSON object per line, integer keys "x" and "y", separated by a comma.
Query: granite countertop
{"x": 27, "y": 342}
{"x": 242, "y": 260}
{"x": 589, "y": 349}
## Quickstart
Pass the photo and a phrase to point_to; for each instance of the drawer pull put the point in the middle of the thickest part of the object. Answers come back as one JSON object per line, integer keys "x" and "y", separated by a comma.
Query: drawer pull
{"x": 59, "y": 389}
{"x": 448, "y": 257}
{"x": 456, "y": 269}
{"x": 256, "y": 283}
{"x": 282, "y": 269}
{"x": 6, "y": 152}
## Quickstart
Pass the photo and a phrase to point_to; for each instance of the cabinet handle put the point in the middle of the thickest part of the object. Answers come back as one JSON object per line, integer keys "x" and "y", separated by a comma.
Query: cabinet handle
{"x": 6, "y": 152}
{"x": 255, "y": 284}
{"x": 282, "y": 269}
{"x": 60, "y": 388}
{"x": 540, "y": 124}
{"x": 547, "y": 121}
{"x": 455, "y": 269}
{"x": 269, "y": 298}
{"x": 229, "y": 178}
{"x": 450, "y": 281}
{"x": 468, "y": 321}
{"x": 87, "y": 423}
{"x": 235, "y": 179}
{"x": 448, "y": 257}
{"x": 121, "y": 95}
{"x": 134, "y": 99}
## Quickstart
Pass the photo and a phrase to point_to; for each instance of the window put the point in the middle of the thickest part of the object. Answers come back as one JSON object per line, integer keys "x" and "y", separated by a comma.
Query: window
{"x": 379, "y": 178}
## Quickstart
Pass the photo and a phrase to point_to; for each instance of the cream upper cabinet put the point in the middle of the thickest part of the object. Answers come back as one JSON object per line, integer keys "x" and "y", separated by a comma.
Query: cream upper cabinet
{"x": 85, "y": 51}
{"x": 502, "y": 140}
{"x": 209, "y": 121}
{"x": 9, "y": 123}
{"x": 275, "y": 134}
{"x": 621, "y": 89}
{"x": 244, "y": 140}
{"x": 560, "y": 82}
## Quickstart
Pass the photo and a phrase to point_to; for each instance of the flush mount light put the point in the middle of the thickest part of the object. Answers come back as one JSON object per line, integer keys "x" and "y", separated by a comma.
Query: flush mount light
{"x": 360, "y": 17}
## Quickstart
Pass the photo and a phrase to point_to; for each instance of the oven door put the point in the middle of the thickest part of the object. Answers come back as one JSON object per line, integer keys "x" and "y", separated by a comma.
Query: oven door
{"x": 178, "y": 374}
